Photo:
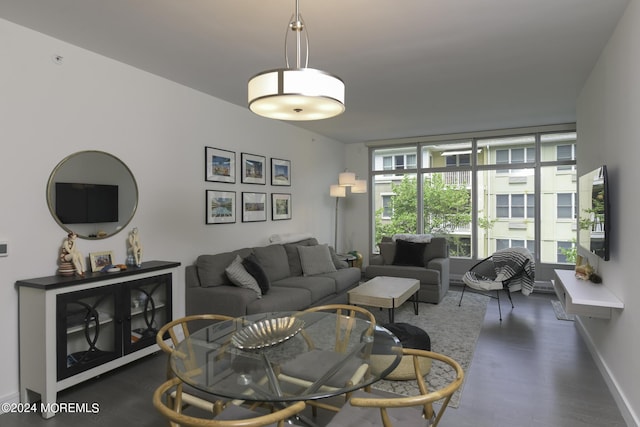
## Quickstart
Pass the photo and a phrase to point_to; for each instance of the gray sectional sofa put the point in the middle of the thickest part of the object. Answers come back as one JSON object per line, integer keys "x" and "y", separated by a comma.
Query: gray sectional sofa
{"x": 431, "y": 268}
{"x": 209, "y": 290}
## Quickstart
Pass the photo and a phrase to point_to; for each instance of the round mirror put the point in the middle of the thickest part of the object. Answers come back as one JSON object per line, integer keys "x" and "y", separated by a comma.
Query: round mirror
{"x": 93, "y": 194}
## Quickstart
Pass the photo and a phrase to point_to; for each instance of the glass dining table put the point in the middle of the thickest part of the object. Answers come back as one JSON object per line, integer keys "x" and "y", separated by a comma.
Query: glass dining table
{"x": 286, "y": 356}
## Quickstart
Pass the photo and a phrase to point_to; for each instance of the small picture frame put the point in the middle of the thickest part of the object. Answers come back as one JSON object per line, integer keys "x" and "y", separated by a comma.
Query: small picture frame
{"x": 219, "y": 165}
{"x": 220, "y": 207}
{"x": 253, "y": 169}
{"x": 254, "y": 207}
{"x": 100, "y": 260}
{"x": 280, "y": 172}
{"x": 280, "y": 206}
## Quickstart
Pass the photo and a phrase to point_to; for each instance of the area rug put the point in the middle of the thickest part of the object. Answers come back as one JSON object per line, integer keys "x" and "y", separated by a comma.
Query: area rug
{"x": 454, "y": 332}
{"x": 558, "y": 309}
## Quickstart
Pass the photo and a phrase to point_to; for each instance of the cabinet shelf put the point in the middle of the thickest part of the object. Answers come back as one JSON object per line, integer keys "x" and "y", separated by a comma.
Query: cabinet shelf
{"x": 140, "y": 310}
{"x": 584, "y": 298}
{"x": 104, "y": 319}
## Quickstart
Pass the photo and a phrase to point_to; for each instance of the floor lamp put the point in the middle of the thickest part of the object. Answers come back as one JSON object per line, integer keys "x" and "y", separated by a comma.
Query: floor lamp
{"x": 337, "y": 191}
{"x": 345, "y": 179}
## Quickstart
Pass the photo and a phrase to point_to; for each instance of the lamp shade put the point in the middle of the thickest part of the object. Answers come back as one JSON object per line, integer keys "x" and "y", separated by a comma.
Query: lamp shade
{"x": 360, "y": 187}
{"x": 347, "y": 179}
{"x": 296, "y": 94}
{"x": 337, "y": 191}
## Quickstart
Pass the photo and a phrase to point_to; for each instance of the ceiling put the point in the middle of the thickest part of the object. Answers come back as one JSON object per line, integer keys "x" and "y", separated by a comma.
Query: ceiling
{"x": 411, "y": 67}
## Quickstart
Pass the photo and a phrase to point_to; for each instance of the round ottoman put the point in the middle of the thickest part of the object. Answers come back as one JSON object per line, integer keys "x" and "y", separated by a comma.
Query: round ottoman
{"x": 410, "y": 337}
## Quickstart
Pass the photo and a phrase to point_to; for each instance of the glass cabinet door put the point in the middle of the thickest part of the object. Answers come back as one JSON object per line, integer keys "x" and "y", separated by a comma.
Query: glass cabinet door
{"x": 148, "y": 308}
{"x": 89, "y": 330}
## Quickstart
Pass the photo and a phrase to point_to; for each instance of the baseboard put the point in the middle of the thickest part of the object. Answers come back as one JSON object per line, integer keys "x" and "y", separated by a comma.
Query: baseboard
{"x": 626, "y": 410}
{"x": 9, "y": 399}
{"x": 541, "y": 286}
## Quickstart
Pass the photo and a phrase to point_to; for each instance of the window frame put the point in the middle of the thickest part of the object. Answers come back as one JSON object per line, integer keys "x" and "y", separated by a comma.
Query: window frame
{"x": 477, "y": 141}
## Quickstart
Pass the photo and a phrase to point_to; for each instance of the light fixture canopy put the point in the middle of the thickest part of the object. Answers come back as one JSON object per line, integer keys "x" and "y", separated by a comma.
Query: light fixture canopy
{"x": 337, "y": 191}
{"x": 296, "y": 93}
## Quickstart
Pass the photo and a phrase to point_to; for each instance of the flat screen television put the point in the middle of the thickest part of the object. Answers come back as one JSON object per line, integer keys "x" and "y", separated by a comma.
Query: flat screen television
{"x": 594, "y": 217}
{"x": 78, "y": 203}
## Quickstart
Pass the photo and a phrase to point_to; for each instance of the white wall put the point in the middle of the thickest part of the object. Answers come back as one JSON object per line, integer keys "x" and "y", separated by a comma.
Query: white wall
{"x": 159, "y": 129}
{"x": 354, "y": 209}
{"x": 607, "y": 111}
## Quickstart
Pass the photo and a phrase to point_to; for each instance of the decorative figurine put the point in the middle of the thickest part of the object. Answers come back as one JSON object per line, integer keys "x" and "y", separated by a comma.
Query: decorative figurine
{"x": 135, "y": 247}
{"x": 71, "y": 260}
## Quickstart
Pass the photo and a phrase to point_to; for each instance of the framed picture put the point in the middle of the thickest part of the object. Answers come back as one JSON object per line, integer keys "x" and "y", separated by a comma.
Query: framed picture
{"x": 253, "y": 169}
{"x": 220, "y": 207}
{"x": 219, "y": 165}
{"x": 100, "y": 260}
{"x": 280, "y": 172}
{"x": 254, "y": 207}
{"x": 280, "y": 206}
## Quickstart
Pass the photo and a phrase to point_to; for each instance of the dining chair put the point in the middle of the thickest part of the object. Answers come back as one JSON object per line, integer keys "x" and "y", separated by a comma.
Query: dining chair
{"x": 178, "y": 330}
{"x": 372, "y": 409}
{"x": 231, "y": 416}
{"x": 297, "y": 371}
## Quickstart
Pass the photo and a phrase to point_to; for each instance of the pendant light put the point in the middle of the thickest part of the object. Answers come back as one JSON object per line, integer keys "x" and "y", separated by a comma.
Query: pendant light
{"x": 298, "y": 93}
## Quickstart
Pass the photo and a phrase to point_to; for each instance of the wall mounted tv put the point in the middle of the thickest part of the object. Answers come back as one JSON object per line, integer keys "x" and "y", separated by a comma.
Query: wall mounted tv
{"x": 594, "y": 217}
{"x": 78, "y": 203}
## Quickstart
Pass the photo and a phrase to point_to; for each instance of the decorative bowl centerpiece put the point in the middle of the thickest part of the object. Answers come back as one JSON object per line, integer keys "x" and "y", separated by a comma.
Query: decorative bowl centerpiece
{"x": 267, "y": 332}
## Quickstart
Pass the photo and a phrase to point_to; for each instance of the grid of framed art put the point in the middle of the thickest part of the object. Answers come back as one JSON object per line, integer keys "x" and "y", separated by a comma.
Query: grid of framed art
{"x": 221, "y": 205}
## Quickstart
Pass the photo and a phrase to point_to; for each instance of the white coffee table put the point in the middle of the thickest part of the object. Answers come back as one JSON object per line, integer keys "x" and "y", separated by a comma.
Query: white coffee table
{"x": 386, "y": 292}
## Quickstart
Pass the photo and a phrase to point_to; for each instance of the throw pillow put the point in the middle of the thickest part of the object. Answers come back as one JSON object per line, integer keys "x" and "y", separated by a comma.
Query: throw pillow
{"x": 240, "y": 277}
{"x": 409, "y": 253}
{"x": 254, "y": 268}
{"x": 273, "y": 260}
{"x": 295, "y": 268}
{"x": 388, "y": 252}
{"x": 315, "y": 260}
{"x": 337, "y": 261}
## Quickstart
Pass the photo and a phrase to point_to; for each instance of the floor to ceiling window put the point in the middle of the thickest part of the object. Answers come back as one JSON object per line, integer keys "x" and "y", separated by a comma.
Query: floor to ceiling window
{"x": 483, "y": 193}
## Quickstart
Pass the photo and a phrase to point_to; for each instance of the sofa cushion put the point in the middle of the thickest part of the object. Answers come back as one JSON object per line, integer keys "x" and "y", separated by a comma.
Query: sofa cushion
{"x": 345, "y": 278}
{"x": 281, "y": 299}
{"x": 409, "y": 253}
{"x": 387, "y": 251}
{"x": 293, "y": 257}
{"x": 256, "y": 271}
{"x": 273, "y": 260}
{"x": 437, "y": 248}
{"x": 239, "y": 276}
{"x": 211, "y": 267}
{"x": 315, "y": 260}
{"x": 318, "y": 287}
{"x": 337, "y": 261}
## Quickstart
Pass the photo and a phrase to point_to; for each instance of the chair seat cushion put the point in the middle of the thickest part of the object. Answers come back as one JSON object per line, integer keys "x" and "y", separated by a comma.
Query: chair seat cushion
{"x": 480, "y": 283}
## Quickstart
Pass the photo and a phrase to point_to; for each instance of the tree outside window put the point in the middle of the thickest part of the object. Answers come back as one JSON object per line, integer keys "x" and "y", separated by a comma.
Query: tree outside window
{"x": 446, "y": 208}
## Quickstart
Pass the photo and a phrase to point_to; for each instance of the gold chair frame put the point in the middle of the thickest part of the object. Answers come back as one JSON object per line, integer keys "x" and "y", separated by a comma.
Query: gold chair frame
{"x": 182, "y": 324}
{"x": 343, "y": 336}
{"x": 425, "y": 399}
{"x": 176, "y": 417}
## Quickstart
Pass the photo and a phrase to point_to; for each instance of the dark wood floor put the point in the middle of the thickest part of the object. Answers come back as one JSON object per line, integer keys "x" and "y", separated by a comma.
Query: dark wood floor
{"x": 529, "y": 370}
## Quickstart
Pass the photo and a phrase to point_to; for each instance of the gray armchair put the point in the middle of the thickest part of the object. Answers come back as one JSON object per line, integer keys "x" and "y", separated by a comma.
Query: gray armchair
{"x": 431, "y": 267}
